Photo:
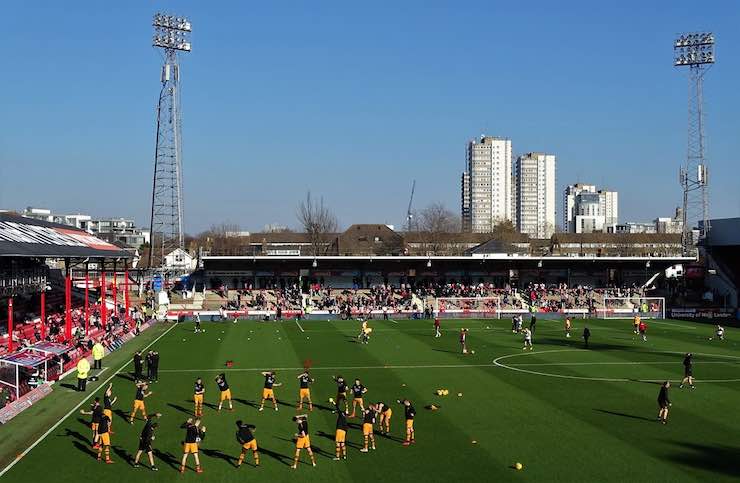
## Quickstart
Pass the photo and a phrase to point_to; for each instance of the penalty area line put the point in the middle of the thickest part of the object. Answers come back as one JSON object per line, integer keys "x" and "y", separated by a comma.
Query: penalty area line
{"x": 299, "y": 325}
{"x": 74, "y": 409}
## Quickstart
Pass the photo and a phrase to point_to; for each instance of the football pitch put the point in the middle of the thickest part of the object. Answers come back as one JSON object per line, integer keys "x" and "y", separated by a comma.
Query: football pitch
{"x": 566, "y": 413}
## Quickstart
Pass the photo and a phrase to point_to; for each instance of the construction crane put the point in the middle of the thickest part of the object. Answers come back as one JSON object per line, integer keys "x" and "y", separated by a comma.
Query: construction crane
{"x": 409, "y": 213}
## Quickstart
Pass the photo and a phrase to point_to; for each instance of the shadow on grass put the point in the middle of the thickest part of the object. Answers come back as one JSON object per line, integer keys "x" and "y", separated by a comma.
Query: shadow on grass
{"x": 286, "y": 460}
{"x": 180, "y": 408}
{"x": 168, "y": 458}
{"x": 121, "y": 453}
{"x": 85, "y": 449}
{"x": 624, "y": 415}
{"x": 214, "y": 453}
{"x": 69, "y": 386}
{"x": 331, "y": 437}
{"x": 75, "y": 434}
{"x": 121, "y": 414}
{"x": 716, "y": 458}
{"x": 449, "y": 352}
{"x": 247, "y": 402}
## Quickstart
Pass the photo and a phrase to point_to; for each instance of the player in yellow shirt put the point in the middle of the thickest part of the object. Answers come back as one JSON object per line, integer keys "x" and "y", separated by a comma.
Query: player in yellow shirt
{"x": 245, "y": 438}
{"x": 141, "y": 394}
{"x": 636, "y": 324}
{"x": 305, "y": 391}
{"x": 567, "y": 327}
{"x": 199, "y": 391}
{"x": 223, "y": 386}
{"x": 303, "y": 440}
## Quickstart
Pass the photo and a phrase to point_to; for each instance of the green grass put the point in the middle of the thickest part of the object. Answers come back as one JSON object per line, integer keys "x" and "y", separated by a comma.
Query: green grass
{"x": 566, "y": 413}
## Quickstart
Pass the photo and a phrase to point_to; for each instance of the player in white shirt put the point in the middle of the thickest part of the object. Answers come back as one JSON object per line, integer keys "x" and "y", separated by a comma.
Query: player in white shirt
{"x": 527, "y": 339}
{"x": 720, "y": 332}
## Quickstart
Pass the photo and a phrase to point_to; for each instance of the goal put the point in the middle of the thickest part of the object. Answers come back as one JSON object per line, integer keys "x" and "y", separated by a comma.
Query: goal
{"x": 628, "y": 307}
{"x": 467, "y": 307}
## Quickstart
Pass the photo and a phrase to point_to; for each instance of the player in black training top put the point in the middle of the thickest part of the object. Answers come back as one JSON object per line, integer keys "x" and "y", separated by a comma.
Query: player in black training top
{"x": 385, "y": 413}
{"x": 194, "y": 433}
{"x": 302, "y": 440}
{"x": 368, "y": 424}
{"x": 340, "y": 436}
{"x": 341, "y": 393}
{"x": 358, "y": 391}
{"x": 223, "y": 386}
{"x": 245, "y": 438}
{"x": 145, "y": 441}
{"x": 96, "y": 411}
{"x": 267, "y": 391}
{"x": 410, "y": 413}
{"x": 305, "y": 391}
{"x": 199, "y": 391}
{"x": 664, "y": 402}
{"x": 688, "y": 371}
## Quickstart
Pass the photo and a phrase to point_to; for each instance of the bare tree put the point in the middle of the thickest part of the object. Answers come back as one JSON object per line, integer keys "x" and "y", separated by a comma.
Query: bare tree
{"x": 434, "y": 222}
{"x": 221, "y": 239}
{"x": 319, "y": 223}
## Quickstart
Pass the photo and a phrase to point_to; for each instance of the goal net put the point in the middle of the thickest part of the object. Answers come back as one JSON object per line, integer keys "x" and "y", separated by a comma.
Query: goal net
{"x": 628, "y": 307}
{"x": 467, "y": 307}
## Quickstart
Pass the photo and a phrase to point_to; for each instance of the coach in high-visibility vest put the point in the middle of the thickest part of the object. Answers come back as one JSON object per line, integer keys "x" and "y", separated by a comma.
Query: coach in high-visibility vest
{"x": 98, "y": 351}
{"x": 83, "y": 368}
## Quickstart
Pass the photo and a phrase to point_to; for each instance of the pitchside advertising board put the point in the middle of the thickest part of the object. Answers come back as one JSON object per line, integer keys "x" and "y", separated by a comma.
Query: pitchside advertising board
{"x": 24, "y": 237}
{"x": 703, "y": 313}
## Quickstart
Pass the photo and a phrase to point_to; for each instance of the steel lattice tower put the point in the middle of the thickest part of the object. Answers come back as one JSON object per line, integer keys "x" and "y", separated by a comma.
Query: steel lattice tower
{"x": 166, "y": 228}
{"x": 695, "y": 51}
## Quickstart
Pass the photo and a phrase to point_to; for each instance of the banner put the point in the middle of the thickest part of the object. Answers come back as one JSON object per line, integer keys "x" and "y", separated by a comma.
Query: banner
{"x": 701, "y": 313}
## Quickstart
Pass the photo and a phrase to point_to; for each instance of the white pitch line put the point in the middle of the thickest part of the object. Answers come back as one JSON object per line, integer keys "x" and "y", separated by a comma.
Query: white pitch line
{"x": 299, "y": 325}
{"x": 512, "y": 367}
{"x": 672, "y": 325}
{"x": 328, "y": 368}
{"x": 623, "y": 363}
{"x": 74, "y": 409}
{"x": 393, "y": 320}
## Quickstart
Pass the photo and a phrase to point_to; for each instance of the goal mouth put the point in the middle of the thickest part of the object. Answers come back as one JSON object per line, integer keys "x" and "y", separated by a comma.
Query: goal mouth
{"x": 630, "y": 307}
{"x": 467, "y": 307}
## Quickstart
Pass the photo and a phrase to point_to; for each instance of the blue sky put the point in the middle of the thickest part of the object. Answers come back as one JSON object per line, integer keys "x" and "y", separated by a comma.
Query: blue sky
{"x": 354, "y": 102}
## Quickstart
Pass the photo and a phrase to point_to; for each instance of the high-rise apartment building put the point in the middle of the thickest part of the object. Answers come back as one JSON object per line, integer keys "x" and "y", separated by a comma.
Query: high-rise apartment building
{"x": 534, "y": 206}
{"x": 586, "y": 210}
{"x": 486, "y": 191}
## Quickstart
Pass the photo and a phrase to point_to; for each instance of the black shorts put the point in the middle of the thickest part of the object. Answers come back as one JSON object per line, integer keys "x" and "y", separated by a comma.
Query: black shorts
{"x": 663, "y": 404}
{"x": 688, "y": 372}
{"x": 145, "y": 446}
{"x": 341, "y": 397}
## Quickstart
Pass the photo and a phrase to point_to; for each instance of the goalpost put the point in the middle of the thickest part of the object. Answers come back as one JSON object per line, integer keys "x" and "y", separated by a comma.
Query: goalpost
{"x": 468, "y": 307}
{"x": 628, "y": 307}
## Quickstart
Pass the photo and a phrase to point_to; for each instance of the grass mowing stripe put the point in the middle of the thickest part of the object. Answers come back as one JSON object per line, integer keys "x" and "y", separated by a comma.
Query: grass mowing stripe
{"x": 74, "y": 409}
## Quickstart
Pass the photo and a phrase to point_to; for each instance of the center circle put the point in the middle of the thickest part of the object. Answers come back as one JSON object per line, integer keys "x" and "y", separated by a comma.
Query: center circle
{"x": 497, "y": 362}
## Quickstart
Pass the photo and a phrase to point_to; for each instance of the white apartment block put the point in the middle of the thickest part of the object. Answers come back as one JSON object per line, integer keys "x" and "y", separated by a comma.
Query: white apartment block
{"x": 486, "y": 191}
{"x": 586, "y": 210}
{"x": 534, "y": 176}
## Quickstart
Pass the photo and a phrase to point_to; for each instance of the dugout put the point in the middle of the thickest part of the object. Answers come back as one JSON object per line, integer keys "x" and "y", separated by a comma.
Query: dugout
{"x": 33, "y": 366}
